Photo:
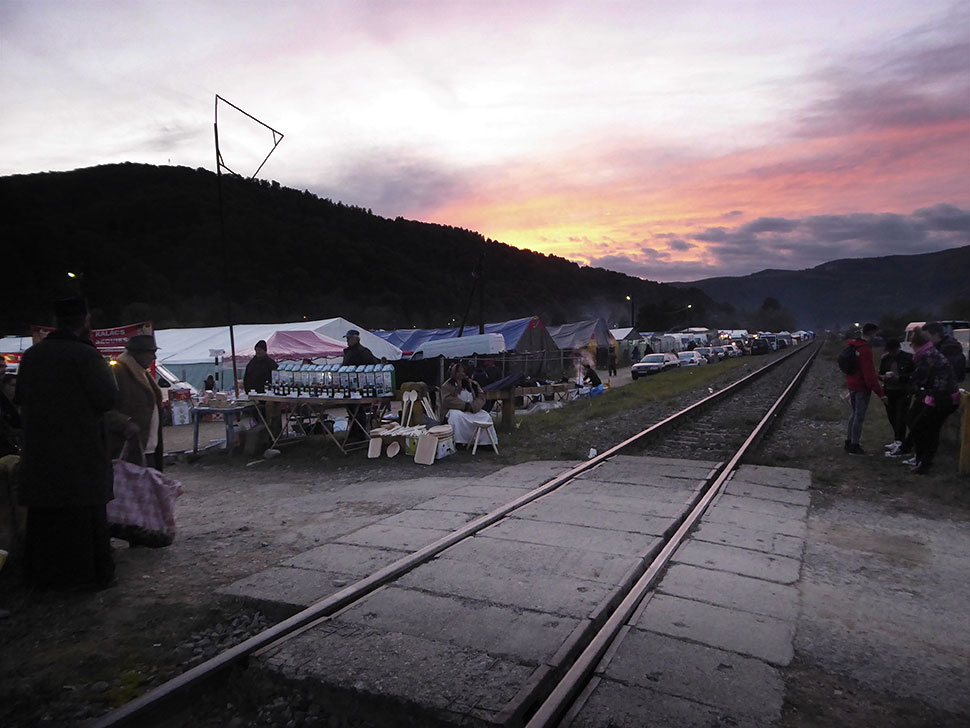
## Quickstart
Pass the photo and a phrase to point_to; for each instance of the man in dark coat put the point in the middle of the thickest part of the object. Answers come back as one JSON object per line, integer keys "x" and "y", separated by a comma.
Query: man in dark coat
{"x": 948, "y": 347}
{"x": 356, "y": 353}
{"x": 64, "y": 388}
{"x": 259, "y": 371}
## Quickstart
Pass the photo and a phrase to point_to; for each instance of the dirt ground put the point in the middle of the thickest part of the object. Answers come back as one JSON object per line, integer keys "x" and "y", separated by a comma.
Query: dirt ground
{"x": 65, "y": 658}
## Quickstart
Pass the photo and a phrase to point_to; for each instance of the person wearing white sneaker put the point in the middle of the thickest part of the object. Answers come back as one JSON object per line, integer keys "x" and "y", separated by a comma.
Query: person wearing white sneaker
{"x": 937, "y": 396}
{"x": 895, "y": 368}
{"x": 861, "y": 381}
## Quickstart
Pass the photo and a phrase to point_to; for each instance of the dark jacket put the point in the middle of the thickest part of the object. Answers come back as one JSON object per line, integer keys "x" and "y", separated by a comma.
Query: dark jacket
{"x": 10, "y": 425}
{"x": 64, "y": 388}
{"x": 864, "y": 377}
{"x": 592, "y": 377}
{"x": 901, "y": 363}
{"x": 933, "y": 376}
{"x": 259, "y": 373}
{"x": 138, "y": 396}
{"x": 953, "y": 351}
{"x": 358, "y": 354}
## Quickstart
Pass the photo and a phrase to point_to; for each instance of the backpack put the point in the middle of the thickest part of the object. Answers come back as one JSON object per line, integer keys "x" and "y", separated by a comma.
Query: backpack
{"x": 848, "y": 360}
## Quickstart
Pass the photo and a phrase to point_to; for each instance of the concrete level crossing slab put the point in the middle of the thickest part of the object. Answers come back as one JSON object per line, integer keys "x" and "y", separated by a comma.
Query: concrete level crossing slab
{"x": 401, "y": 538}
{"x": 345, "y": 559}
{"x": 526, "y": 636}
{"x": 658, "y": 472}
{"x": 719, "y": 557}
{"x": 775, "y": 477}
{"x": 645, "y": 504}
{"x": 420, "y": 518}
{"x": 729, "y": 516}
{"x": 463, "y": 503}
{"x": 678, "y": 495}
{"x": 509, "y": 586}
{"x": 437, "y": 680}
{"x": 726, "y": 682}
{"x": 561, "y": 509}
{"x": 762, "y": 506}
{"x": 705, "y": 647}
{"x": 732, "y": 590}
{"x": 473, "y": 635}
{"x": 748, "y": 538}
{"x": 617, "y": 705}
{"x": 539, "y": 558}
{"x": 282, "y": 591}
{"x": 747, "y": 633}
{"x": 739, "y": 487}
{"x": 527, "y": 531}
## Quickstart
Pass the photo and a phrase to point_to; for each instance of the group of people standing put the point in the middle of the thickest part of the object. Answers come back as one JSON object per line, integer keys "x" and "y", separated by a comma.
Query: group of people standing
{"x": 78, "y": 413}
{"x": 920, "y": 390}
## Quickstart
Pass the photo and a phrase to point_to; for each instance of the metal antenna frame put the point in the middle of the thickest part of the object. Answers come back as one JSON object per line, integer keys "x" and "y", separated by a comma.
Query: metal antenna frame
{"x": 220, "y": 165}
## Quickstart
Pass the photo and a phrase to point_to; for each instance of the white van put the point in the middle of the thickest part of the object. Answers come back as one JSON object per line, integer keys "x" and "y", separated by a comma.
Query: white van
{"x": 948, "y": 328}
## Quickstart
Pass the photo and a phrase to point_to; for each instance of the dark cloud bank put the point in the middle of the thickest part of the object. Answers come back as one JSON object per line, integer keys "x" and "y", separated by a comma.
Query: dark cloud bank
{"x": 798, "y": 243}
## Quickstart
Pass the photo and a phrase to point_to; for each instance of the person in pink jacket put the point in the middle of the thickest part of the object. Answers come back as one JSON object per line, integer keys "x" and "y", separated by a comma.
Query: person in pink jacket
{"x": 862, "y": 382}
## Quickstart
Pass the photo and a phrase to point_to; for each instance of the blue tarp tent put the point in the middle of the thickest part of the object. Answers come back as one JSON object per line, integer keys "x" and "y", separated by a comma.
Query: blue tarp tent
{"x": 521, "y": 335}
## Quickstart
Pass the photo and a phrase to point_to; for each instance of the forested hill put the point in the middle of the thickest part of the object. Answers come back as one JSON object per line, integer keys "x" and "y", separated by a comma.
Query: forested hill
{"x": 840, "y": 292}
{"x": 149, "y": 245}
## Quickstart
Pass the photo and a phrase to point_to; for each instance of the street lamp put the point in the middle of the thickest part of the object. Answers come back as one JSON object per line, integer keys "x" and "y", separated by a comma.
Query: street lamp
{"x": 76, "y": 281}
{"x": 633, "y": 322}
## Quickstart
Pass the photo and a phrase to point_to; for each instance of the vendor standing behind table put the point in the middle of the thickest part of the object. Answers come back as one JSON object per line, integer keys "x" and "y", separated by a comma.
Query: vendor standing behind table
{"x": 259, "y": 371}
{"x": 137, "y": 416}
{"x": 63, "y": 389}
{"x": 462, "y": 399}
{"x": 356, "y": 353}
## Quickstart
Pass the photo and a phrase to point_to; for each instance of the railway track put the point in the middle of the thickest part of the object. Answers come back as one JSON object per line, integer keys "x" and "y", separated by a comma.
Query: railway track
{"x": 689, "y": 432}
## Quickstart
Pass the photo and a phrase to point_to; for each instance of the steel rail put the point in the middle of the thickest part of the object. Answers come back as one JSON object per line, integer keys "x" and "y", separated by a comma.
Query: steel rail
{"x": 158, "y": 697}
{"x": 554, "y": 707}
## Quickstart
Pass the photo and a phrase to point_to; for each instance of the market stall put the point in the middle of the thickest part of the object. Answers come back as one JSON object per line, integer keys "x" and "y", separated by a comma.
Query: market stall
{"x": 307, "y": 395}
{"x": 301, "y": 413}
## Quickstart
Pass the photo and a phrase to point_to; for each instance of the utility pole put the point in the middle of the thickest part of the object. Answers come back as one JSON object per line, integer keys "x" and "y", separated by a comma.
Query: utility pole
{"x": 222, "y": 222}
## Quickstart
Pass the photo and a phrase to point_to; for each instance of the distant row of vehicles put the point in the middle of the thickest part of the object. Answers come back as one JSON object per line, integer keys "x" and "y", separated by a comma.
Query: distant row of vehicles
{"x": 703, "y": 355}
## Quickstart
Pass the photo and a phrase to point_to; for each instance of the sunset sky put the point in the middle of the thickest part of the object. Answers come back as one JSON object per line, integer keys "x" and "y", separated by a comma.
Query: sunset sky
{"x": 668, "y": 140}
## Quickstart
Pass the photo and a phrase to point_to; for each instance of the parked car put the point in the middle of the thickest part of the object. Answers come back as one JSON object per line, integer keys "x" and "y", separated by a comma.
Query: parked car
{"x": 691, "y": 358}
{"x": 760, "y": 346}
{"x": 732, "y": 350}
{"x": 720, "y": 351}
{"x": 654, "y": 363}
{"x": 708, "y": 353}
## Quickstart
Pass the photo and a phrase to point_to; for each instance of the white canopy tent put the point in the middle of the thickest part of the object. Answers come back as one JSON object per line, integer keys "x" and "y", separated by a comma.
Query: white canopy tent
{"x": 187, "y": 353}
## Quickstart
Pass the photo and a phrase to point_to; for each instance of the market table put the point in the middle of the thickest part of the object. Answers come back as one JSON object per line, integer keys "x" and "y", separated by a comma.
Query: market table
{"x": 230, "y": 416}
{"x": 559, "y": 391}
{"x": 315, "y": 410}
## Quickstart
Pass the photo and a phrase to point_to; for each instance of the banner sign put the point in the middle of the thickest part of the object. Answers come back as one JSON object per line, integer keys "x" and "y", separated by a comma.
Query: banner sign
{"x": 107, "y": 341}
{"x": 112, "y": 341}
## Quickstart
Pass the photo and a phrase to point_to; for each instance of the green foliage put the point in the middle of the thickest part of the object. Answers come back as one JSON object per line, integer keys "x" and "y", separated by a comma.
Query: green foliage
{"x": 149, "y": 243}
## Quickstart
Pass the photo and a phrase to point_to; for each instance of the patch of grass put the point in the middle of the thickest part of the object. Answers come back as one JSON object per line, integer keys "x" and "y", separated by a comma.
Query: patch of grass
{"x": 824, "y": 409}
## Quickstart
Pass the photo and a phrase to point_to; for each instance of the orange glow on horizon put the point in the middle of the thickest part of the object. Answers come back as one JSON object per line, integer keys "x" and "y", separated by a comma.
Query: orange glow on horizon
{"x": 893, "y": 170}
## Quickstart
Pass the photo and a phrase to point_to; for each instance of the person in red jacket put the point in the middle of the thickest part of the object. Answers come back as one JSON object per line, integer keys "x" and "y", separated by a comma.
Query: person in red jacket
{"x": 861, "y": 383}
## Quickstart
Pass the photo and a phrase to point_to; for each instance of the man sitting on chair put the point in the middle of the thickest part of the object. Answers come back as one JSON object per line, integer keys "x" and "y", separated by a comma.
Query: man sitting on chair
{"x": 462, "y": 400}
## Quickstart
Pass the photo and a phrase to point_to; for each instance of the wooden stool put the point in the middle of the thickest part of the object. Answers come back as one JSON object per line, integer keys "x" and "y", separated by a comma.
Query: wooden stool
{"x": 490, "y": 429}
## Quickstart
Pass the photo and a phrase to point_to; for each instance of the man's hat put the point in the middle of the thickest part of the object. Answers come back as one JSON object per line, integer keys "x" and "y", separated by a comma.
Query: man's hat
{"x": 352, "y": 332}
{"x": 141, "y": 342}
{"x": 67, "y": 307}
